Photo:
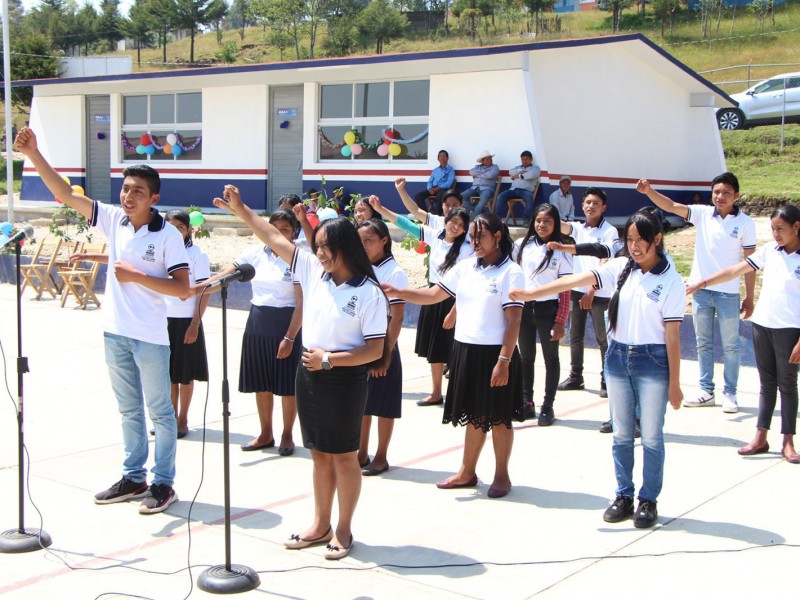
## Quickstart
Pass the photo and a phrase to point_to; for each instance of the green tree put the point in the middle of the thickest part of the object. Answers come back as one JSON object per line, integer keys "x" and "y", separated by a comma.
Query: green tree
{"x": 85, "y": 27}
{"x": 380, "y": 22}
{"x": 140, "y": 27}
{"x": 49, "y": 19}
{"x": 217, "y": 11}
{"x": 164, "y": 13}
{"x": 285, "y": 19}
{"x": 192, "y": 15}
{"x": 110, "y": 24}
{"x": 240, "y": 15}
{"x": 615, "y": 7}
{"x": 666, "y": 11}
{"x": 31, "y": 59}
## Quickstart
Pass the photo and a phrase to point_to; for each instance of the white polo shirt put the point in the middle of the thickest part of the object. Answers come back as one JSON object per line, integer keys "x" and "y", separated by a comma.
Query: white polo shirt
{"x": 560, "y": 264}
{"x": 157, "y": 249}
{"x": 646, "y": 300}
{"x": 199, "y": 271}
{"x": 439, "y": 249}
{"x": 388, "y": 271}
{"x": 338, "y": 317}
{"x": 273, "y": 284}
{"x": 778, "y": 304}
{"x": 719, "y": 243}
{"x": 481, "y": 294}
{"x": 583, "y": 233}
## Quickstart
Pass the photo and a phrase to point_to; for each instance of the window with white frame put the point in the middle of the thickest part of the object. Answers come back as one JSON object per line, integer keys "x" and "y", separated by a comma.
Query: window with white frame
{"x": 384, "y": 120}
{"x": 162, "y": 127}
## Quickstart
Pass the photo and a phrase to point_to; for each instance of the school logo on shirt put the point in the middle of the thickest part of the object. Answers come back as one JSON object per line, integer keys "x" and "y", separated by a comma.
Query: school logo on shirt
{"x": 797, "y": 272}
{"x": 150, "y": 254}
{"x": 734, "y": 232}
{"x": 350, "y": 307}
{"x": 553, "y": 266}
{"x": 655, "y": 294}
{"x": 493, "y": 285}
{"x": 287, "y": 274}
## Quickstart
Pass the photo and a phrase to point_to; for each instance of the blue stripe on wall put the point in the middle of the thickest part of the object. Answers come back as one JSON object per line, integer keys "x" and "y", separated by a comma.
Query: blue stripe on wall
{"x": 33, "y": 188}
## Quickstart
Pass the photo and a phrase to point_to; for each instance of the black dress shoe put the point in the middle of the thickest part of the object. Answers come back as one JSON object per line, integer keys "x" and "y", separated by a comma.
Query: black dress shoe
{"x": 606, "y": 427}
{"x": 621, "y": 509}
{"x": 571, "y": 383}
{"x": 528, "y": 411}
{"x": 546, "y": 415}
{"x": 646, "y": 514}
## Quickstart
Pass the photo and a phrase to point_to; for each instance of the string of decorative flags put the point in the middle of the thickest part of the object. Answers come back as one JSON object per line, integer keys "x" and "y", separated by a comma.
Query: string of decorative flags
{"x": 353, "y": 144}
{"x": 148, "y": 144}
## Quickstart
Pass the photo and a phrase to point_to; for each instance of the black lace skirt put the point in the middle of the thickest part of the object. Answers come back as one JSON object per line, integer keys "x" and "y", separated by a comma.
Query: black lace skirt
{"x": 433, "y": 341}
{"x": 385, "y": 394}
{"x": 471, "y": 399}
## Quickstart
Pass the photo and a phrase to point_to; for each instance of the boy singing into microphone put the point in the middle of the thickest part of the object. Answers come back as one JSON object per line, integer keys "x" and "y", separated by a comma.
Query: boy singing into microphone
{"x": 147, "y": 261}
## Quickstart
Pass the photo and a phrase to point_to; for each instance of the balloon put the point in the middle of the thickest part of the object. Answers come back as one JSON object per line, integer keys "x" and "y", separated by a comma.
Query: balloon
{"x": 172, "y": 139}
{"x": 78, "y": 190}
{"x": 167, "y": 149}
{"x": 390, "y": 135}
{"x": 149, "y": 150}
{"x": 177, "y": 150}
{"x": 349, "y": 138}
{"x": 65, "y": 178}
{"x": 325, "y": 214}
{"x": 140, "y": 149}
{"x": 346, "y": 151}
{"x": 6, "y": 229}
{"x": 421, "y": 248}
{"x": 145, "y": 140}
{"x": 196, "y": 218}
{"x": 356, "y": 149}
{"x": 395, "y": 149}
{"x": 383, "y": 150}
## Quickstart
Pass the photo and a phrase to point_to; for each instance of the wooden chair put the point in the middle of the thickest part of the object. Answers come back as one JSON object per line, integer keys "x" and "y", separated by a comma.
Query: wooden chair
{"x": 513, "y": 202}
{"x": 493, "y": 199}
{"x": 39, "y": 273}
{"x": 432, "y": 197}
{"x": 79, "y": 281}
{"x": 67, "y": 249}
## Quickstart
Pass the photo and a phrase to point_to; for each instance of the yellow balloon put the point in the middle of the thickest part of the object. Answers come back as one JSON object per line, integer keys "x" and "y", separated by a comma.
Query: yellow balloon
{"x": 395, "y": 149}
{"x": 65, "y": 178}
{"x": 349, "y": 138}
{"x": 78, "y": 190}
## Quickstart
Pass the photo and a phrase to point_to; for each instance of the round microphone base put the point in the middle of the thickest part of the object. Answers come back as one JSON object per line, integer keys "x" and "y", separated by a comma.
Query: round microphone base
{"x": 15, "y": 541}
{"x": 219, "y": 580}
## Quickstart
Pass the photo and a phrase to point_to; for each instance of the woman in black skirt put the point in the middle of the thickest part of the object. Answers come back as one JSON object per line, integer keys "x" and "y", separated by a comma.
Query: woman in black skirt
{"x": 187, "y": 361}
{"x": 345, "y": 317}
{"x": 271, "y": 346}
{"x": 385, "y": 381}
{"x": 485, "y": 391}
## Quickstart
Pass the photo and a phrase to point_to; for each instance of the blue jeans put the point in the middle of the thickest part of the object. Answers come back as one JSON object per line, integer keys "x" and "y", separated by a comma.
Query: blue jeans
{"x": 139, "y": 372}
{"x": 726, "y": 306}
{"x": 485, "y": 196}
{"x": 638, "y": 381}
{"x": 501, "y": 208}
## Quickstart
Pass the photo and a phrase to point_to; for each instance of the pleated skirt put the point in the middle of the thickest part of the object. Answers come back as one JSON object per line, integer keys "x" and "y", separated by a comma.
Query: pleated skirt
{"x": 187, "y": 362}
{"x": 470, "y": 397}
{"x": 433, "y": 342}
{"x": 330, "y": 406}
{"x": 385, "y": 394}
{"x": 260, "y": 370}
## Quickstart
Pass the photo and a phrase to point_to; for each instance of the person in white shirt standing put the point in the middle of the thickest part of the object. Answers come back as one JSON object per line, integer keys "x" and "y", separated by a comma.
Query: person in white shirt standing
{"x": 776, "y": 327}
{"x": 724, "y": 235}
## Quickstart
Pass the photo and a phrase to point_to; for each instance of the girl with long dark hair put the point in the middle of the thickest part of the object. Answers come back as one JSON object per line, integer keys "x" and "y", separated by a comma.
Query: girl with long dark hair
{"x": 643, "y": 360}
{"x": 546, "y": 316}
{"x": 345, "y": 316}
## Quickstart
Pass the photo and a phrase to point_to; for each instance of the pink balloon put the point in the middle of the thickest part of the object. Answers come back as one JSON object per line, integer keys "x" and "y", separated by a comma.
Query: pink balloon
{"x": 356, "y": 149}
{"x": 383, "y": 150}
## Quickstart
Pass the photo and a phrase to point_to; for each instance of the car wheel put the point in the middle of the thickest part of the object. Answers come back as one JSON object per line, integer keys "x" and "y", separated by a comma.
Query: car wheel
{"x": 730, "y": 118}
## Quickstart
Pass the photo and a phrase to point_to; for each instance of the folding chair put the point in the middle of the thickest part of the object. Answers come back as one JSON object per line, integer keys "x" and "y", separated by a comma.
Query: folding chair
{"x": 67, "y": 249}
{"x": 432, "y": 197}
{"x": 39, "y": 273}
{"x": 512, "y": 202}
{"x": 79, "y": 281}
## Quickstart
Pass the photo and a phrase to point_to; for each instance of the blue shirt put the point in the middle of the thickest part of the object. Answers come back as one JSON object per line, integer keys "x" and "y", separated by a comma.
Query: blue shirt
{"x": 442, "y": 177}
{"x": 484, "y": 177}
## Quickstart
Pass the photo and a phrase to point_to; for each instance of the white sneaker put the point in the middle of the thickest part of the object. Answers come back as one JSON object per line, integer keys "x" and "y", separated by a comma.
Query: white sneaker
{"x": 704, "y": 399}
{"x": 729, "y": 404}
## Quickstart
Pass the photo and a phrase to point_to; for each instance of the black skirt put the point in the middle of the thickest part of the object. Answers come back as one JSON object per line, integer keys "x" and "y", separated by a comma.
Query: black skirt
{"x": 330, "y": 406}
{"x": 385, "y": 394}
{"x": 471, "y": 399}
{"x": 187, "y": 362}
{"x": 434, "y": 341}
{"x": 260, "y": 370}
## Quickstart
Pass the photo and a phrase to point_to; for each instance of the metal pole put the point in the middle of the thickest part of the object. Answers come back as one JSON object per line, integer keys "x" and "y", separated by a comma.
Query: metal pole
{"x": 7, "y": 89}
{"x": 783, "y": 112}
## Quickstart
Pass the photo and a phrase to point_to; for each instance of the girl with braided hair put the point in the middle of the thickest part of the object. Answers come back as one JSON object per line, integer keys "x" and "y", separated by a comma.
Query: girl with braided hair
{"x": 643, "y": 359}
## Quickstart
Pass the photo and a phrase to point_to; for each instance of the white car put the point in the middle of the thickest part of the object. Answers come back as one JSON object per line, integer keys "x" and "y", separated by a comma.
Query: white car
{"x": 764, "y": 103}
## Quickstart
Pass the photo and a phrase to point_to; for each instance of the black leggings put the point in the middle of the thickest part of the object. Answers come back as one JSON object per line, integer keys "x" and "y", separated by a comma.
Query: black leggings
{"x": 539, "y": 317}
{"x": 773, "y": 348}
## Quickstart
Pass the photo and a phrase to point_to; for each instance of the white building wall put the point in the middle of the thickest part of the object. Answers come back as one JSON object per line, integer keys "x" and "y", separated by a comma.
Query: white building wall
{"x": 235, "y": 127}
{"x": 60, "y": 122}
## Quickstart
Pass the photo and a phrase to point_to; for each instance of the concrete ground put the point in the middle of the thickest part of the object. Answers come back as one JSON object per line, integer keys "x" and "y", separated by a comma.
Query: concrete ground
{"x": 727, "y": 523}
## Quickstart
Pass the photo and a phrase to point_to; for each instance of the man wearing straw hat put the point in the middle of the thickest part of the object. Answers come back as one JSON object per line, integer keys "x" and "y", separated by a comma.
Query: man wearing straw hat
{"x": 484, "y": 180}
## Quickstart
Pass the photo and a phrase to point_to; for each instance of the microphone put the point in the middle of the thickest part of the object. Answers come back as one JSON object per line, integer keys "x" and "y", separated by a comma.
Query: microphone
{"x": 243, "y": 272}
{"x": 24, "y": 233}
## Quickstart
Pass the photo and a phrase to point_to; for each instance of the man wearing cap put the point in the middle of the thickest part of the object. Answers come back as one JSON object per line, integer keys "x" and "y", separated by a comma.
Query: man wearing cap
{"x": 562, "y": 199}
{"x": 484, "y": 180}
{"x": 524, "y": 179}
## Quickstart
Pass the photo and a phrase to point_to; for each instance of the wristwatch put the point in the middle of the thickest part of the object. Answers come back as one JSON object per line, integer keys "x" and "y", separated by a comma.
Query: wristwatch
{"x": 326, "y": 361}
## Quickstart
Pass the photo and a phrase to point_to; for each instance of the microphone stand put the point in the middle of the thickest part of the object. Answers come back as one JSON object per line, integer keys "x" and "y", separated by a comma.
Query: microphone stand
{"x": 227, "y": 578}
{"x": 20, "y": 539}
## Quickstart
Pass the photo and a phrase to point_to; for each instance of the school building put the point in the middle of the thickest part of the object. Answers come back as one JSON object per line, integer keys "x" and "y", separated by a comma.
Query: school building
{"x": 605, "y": 111}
